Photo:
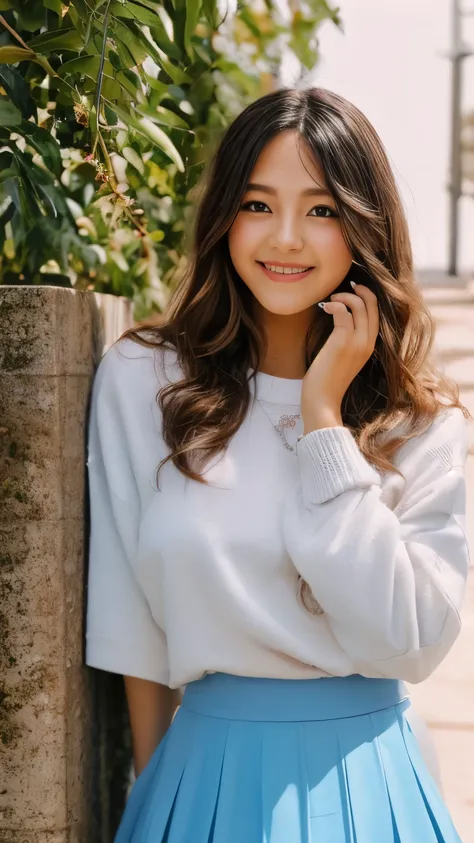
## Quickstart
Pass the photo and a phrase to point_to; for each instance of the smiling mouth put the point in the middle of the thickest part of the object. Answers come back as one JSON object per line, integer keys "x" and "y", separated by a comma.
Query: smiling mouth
{"x": 285, "y": 273}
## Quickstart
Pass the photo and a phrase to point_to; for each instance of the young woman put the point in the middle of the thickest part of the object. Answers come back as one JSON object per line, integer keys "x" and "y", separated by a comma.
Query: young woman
{"x": 277, "y": 504}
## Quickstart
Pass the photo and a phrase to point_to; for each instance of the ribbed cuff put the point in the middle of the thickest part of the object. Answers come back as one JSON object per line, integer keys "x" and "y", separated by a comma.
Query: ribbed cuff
{"x": 330, "y": 463}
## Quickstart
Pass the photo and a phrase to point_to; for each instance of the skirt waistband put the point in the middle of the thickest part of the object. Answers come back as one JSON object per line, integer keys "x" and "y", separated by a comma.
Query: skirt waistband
{"x": 329, "y": 698}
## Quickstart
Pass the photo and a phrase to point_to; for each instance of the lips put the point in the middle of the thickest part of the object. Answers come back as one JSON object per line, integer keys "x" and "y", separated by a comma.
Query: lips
{"x": 285, "y": 276}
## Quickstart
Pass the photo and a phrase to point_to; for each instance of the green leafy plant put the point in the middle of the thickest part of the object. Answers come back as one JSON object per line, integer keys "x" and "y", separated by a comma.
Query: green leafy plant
{"x": 109, "y": 110}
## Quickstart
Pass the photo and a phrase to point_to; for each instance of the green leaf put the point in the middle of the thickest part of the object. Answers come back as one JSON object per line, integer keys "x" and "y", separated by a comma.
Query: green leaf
{"x": 114, "y": 60}
{"x": 7, "y": 173}
{"x": 202, "y": 53}
{"x": 134, "y": 11}
{"x": 162, "y": 115}
{"x": 156, "y": 135}
{"x": 151, "y": 4}
{"x": 133, "y": 158}
{"x": 209, "y": 9}
{"x": 175, "y": 72}
{"x": 54, "y": 199}
{"x": 131, "y": 85}
{"x": 148, "y": 17}
{"x": 119, "y": 259}
{"x": 22, "y": 217}
{"x": 54, "y": 6}
{"x": 134, "y": 45}
{"x": 57, "y": 40}
{"x": 45, "y": 144}
{"x": 17, "y": 90}
{"x": 156, "y": 85}
{"x": 159, "y": 34}
{"x": 66, "y": 93}
{"x": 111, "y": 89}
{"x": 110, "y": 116}
{"x": 86, "y": 64}
{"x": 177, "y": 93}
{"x": 193, "y": 11}
{"x": 29, "y": 17}
{"x": 127, "y": 61}
{"x": 178, "y": 76}
{"x": 7, "y": 214}
{"x": 133, "y": 78}
{"x": 12, "y": 54}
{"x": 9, "y": 114}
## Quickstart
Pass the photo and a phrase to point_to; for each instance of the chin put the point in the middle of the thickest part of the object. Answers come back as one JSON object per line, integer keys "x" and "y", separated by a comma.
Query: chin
{"x": 280, "y": 307}
{"x": 287, "y": 311}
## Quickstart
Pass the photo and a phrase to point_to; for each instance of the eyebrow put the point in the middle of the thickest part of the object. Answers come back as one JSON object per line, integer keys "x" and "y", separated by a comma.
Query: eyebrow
{"x": 309, "y": 191}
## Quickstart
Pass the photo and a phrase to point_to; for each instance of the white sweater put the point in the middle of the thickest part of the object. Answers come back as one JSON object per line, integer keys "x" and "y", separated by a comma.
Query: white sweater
{"x": 192, "y": 579}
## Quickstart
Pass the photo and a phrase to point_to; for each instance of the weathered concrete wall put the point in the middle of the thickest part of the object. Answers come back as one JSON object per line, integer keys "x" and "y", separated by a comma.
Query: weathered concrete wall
{"x": 57, "y": 735}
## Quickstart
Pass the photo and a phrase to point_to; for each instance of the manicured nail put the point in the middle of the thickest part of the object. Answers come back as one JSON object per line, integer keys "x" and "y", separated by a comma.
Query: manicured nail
{"x": 352, "y": 283}
{"x": 322, "y": 304}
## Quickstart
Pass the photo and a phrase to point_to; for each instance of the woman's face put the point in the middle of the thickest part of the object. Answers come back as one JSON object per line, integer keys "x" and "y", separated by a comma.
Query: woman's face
{"x": 288, "y": 218}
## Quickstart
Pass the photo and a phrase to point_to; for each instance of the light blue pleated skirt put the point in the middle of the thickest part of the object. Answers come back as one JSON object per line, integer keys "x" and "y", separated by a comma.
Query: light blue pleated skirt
{"x": 247, "y": 760}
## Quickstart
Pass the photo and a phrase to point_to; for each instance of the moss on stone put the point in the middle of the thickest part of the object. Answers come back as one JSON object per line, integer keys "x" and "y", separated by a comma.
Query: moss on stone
{"x": 19, "y": 352}
{"x": 6, "y": 561}
{"x": 8, "y": 490}
{"x": 14, "y": 700}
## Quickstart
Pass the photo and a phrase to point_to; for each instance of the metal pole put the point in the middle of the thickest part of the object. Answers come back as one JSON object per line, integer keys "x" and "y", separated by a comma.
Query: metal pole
{"x": 456, "y": 175}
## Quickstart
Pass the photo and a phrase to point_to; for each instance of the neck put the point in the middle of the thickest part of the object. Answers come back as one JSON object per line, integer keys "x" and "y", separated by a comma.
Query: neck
{"x": 285, "y": 352}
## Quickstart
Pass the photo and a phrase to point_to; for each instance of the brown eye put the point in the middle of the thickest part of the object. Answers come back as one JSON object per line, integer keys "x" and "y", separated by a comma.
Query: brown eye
{"x": 326, "y": 211}
{"x": 246, "y": 206}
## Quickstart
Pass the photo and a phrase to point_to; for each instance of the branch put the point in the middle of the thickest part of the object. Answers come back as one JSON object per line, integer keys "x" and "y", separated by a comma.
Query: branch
{"x": 41, "y": 60}
{"x": 15, "y": 34}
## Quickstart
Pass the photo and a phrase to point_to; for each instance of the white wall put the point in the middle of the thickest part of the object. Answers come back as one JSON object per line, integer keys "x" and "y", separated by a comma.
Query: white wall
{"x": 389, "y": 62}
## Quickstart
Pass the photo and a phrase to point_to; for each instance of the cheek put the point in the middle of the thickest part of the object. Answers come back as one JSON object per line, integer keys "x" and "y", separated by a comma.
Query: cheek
{"x": 330, "y": 245}
{"x": 243, "y": 239}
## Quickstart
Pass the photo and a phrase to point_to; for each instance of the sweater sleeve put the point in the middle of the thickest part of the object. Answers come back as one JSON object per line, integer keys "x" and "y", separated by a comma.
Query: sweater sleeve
{"x": 121, "y": 633}
{"x": 390, "y": 583}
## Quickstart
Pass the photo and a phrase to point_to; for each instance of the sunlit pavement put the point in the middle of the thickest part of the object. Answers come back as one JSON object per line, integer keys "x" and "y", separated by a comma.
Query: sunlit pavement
{"x": 446, "y": 699}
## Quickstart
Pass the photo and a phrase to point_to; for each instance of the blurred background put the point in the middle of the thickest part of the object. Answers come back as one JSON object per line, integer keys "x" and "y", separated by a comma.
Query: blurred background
{"x": 410, "y": 68}
{"x": 109, "y": 113}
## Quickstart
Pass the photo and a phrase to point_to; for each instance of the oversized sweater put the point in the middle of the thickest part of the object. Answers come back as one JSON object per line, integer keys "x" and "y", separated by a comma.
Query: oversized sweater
{"x": 288, "y": 565}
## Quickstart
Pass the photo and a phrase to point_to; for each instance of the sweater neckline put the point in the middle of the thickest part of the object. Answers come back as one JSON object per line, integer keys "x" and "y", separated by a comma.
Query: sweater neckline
{"x": 276, "y": 390}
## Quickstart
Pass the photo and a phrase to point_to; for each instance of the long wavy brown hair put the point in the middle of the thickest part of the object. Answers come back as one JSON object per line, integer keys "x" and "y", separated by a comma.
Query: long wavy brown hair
{"x": 209, "y": 320}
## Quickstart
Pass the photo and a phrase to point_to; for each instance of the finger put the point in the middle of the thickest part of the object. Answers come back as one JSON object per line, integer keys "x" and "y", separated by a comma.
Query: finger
{"x": 359, "y": 314}
{"x": 341, "y": 315}
{"x": 372, "y": 305}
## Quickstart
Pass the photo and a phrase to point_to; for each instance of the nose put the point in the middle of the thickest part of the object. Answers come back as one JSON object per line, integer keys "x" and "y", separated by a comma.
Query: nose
{"x": 285, "y": 235}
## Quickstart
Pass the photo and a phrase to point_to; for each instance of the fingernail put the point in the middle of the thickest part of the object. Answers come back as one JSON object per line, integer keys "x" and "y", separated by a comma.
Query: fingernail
{"x": 322, "y": 304}
{"x": 352, "y": 283}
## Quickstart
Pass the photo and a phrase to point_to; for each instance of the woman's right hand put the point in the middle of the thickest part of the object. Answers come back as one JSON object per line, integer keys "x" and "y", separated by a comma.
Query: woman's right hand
{"x": 346, "y": 351}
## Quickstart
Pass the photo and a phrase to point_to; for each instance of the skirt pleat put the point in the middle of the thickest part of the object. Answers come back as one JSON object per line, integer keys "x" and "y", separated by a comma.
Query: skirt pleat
{"x": 139, "y": 804}
{"x": 328, "y": 805}
{"x": 368, "y": 807}
{"x": 199, "y": 792}
{"x": 284, "y": 787}
{"x": 406, "y": 797}
{"x": 222, "y": 774}
{"x": 434, "y": 805}
{"x": 169, "y": 773}
{"x": 238, "y": 810}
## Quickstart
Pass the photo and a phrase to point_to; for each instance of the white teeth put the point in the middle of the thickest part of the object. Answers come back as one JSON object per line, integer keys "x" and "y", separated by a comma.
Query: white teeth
{"x": 285, "y": 270}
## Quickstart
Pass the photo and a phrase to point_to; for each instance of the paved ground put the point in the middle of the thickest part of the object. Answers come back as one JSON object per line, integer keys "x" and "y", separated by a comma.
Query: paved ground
{"x": 446, "y": 699}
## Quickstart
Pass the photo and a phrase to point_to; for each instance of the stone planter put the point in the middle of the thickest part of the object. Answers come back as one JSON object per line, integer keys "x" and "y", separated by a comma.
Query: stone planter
{"x": 63, "y": 752}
